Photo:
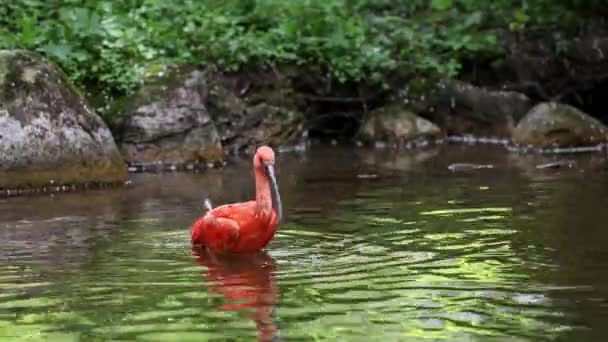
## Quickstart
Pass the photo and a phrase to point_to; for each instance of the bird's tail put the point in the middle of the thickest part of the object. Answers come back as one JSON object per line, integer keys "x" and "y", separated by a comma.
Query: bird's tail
{"x": 208, "y": 204}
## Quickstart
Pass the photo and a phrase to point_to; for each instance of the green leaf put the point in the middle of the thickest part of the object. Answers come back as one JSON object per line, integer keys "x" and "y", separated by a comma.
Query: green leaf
{"x": 473, "y": 19}
{"x": 28, "y": 32}
{"x": 58, "y": 51}
{"x": 441, "y": 5}
{"x": 521, "y": 16}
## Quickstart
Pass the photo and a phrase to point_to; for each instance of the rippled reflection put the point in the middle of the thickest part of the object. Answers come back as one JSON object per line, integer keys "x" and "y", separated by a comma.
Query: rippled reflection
{"x": 416, "y": 252}
{"x": 247, "y": 284}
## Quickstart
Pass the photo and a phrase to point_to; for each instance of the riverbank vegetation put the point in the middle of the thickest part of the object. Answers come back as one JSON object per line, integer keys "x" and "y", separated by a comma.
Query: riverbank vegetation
{"x": 109, "y": 46}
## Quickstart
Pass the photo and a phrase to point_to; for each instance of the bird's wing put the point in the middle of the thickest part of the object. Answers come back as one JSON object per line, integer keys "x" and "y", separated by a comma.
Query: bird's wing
{"x": 237, "y": 211}
{"x": 220, "y": 233}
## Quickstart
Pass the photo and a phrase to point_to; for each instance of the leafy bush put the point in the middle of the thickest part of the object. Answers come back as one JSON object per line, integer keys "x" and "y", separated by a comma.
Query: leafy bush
{"x": 110, "y": 45}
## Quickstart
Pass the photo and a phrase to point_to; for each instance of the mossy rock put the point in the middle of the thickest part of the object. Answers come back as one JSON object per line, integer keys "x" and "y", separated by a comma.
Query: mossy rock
{"x": 167, "y": 120}
{"x": 49, "y": 135}
{"x": 553, "y": 124}
{"x": 397, "y": 125}
{"x": 252, "y": 107}
{"x": 462, "y": 108}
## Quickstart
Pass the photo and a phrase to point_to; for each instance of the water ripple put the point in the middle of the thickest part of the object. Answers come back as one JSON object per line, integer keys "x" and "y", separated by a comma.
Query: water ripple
{"x": 398, "y": 260}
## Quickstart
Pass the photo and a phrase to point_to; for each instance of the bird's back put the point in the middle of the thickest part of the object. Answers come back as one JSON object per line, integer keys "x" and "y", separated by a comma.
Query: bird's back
{"x": 241, "y": 228}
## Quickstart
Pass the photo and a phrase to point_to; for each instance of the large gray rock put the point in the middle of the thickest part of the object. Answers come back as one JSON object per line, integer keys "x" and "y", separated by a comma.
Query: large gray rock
{"x": 461, "y": 108}
{"x": 252, "y": 107}
{"x": 553, "y": 124}
{"x": 48, "y": 134}
{"x": 395, "y": 124}
{"x": 167, "y": 121}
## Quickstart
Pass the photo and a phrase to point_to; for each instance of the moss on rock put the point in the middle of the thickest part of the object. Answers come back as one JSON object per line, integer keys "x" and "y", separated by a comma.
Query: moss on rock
{"x": 48, "y": 133}
{"x": 553, "y": 124}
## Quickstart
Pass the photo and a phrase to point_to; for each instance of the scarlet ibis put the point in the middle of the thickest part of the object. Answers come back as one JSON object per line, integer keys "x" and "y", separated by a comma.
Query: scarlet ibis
{"x": 245, "y": 227}
{"x": 247, "y": 284}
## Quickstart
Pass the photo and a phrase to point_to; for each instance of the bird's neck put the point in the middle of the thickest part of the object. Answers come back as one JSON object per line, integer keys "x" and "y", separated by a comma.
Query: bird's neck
{"x": 262, "y": 192}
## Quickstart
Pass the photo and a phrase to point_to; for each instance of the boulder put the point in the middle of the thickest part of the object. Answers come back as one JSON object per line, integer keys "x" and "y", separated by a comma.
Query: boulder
{"x": 566, "y": 66}
{"x": 166, "y": 121}
{"x": 551, "y": 124}
{"x": 394, "y": 124}
{"x": 254, "y": 106}
{"x": 461, "y": 108}
{"x": 48, "y": 133}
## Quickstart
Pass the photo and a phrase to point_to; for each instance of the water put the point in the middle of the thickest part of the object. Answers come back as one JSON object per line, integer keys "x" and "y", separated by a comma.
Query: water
{"x": 375, "y": 247}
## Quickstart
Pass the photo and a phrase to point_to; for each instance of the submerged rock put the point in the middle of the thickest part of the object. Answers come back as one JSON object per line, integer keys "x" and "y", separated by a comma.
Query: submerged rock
{"x": 396, "y": 125}
{"x": 553, "y": 124}
{"x": 167, "y": 121}
{"x": 462, "y": 108}
{"x": 48, "y": 133}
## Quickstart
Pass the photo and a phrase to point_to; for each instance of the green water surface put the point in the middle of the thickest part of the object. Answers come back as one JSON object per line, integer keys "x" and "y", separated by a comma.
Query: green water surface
{"x": 375, "y": 247}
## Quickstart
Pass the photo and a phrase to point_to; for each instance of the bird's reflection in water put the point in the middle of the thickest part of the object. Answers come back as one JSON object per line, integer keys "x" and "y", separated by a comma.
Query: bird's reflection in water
{"x": 247, "y": 284}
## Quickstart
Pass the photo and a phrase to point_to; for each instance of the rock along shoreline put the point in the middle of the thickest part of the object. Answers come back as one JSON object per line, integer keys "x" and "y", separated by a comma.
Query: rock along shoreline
{"x": 188, "y": 118}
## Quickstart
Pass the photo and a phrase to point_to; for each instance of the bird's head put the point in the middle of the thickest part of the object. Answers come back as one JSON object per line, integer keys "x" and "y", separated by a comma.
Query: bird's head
{"x": 264, "y": 158}
{"x": 265, "y": 155}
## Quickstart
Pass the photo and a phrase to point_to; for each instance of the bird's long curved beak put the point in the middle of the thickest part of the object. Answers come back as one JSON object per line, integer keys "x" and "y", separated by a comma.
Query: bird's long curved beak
{"x": 276, "y": 196}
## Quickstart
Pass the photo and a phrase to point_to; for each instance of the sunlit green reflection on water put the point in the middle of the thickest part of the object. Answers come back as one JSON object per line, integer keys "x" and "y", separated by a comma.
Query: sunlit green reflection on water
{"x": 417, "y": 255}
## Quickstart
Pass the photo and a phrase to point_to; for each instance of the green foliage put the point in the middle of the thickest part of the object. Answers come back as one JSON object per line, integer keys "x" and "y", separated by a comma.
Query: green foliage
{"x": 109, "y": 45}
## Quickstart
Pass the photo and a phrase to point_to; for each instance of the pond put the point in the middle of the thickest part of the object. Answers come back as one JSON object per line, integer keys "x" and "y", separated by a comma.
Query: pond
{"x": 376, "y": 246}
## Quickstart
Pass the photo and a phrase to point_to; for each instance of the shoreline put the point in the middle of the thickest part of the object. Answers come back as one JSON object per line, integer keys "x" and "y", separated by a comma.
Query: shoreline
{"x": 559, "y": 159}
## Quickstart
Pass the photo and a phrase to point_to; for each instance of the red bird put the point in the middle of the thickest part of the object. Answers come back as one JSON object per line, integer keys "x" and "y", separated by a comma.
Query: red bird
{"x": 244, "y": 227}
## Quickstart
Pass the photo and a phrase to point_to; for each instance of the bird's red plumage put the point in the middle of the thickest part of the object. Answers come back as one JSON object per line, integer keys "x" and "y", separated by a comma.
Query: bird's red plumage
{"x": 235, "y": 228}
